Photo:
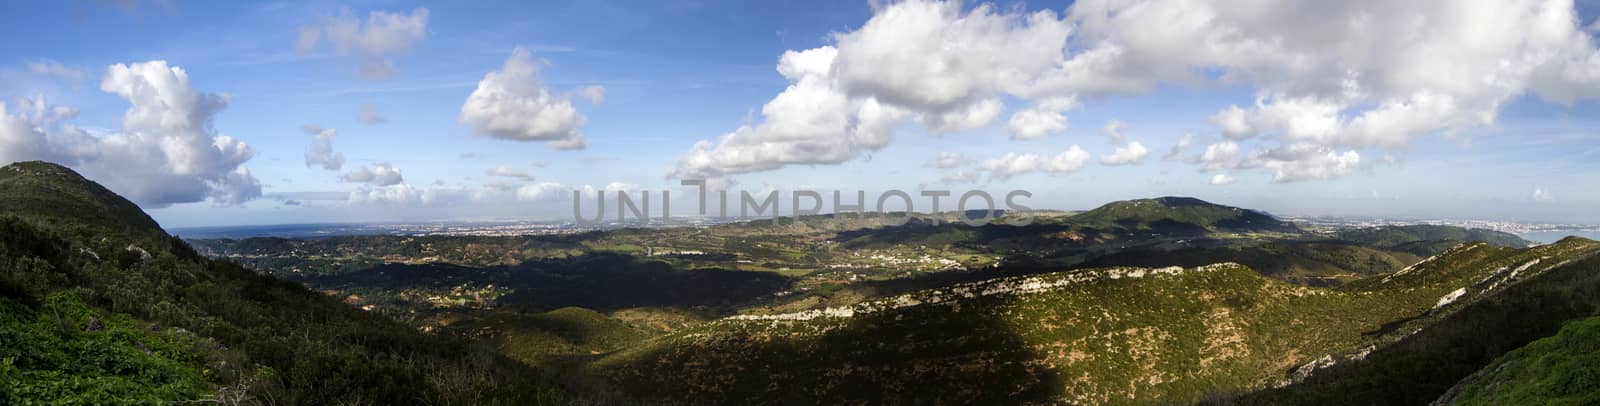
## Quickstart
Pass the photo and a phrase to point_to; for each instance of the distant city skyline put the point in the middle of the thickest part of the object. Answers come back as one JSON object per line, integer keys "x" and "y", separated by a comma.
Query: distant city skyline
{"x": 224, "y": 113}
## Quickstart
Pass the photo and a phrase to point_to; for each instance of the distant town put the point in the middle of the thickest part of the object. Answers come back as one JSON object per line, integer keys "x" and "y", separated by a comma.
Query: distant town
{"x": 503, "y": 228}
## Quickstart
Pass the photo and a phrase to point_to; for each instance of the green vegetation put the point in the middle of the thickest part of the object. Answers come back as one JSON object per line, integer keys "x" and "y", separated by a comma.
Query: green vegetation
{"x": 119, "y": 312}
{"x": 98, "y": 305}
{"x": 1527, "y": 295}
{"x": 1185, "y": 215}
{"x": 1425, "y": 240}
{"x": 1114, "y": 335}
{"x": 62, "y": 350}
{"x": 1557, "y": 370}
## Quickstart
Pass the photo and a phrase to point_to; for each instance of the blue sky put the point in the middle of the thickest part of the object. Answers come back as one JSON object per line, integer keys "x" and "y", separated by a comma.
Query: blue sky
{"x": 677, "y": 72}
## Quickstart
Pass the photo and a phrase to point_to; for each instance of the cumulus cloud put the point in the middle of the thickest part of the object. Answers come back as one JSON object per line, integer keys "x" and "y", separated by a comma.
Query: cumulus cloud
{"x": 1220, "y": 155}
{"x": 1014, "y": 164}
{"x": 320, "y": 153}
{"x": 1303, "y": 162}
{"x": 165, "y": 152}
{"x": 507, "y": 172}
{"x": 946, "y": 160}
{"x": 382, "y": 35}
{"x": 513, "y": 103}
{"x": 1222, "y": 179}
{"x": 1044, "y": 118}
{"x": 929, "y": 62}
{"x": 369, "y": 114}
{"x": 1131, "y": 154}
{"x": 378, "y": 175}
{"x": 1331, "y": 74}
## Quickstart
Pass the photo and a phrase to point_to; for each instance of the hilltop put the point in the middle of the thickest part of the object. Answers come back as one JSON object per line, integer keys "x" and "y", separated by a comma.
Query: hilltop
{"x": 50, "y": 193}
{"x": 99, "y": 306}
{"x": 1180, "y": 215}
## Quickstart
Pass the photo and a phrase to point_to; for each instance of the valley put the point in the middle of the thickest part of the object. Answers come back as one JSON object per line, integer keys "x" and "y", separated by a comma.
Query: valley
{"x": 1166, "y": 300}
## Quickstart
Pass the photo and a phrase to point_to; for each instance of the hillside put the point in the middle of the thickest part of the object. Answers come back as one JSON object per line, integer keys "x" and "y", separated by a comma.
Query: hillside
{"x": 1180, "y": 215}
{"x": 51, "y": 194}
{"x": 1527, "y": 295}
{"x": 1553, "y": 370}
{"x": 1111, "y": 335}
{"x": 1424, "y": 239}
{"x": 1320, "y": 263}
{"x": 107, "y": 309}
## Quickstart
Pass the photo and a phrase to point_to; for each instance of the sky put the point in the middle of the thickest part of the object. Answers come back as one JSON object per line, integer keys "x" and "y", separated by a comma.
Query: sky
{"x": 231, "y": 113}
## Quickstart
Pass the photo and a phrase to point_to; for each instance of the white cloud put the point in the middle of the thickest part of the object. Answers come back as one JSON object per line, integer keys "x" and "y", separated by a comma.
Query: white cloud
{"x": 1221, "y": 155}
{"x": 1222, "y": 179}
{"x": 1541, "y": 195}
{"x": 513, "y": 103}
{"x": 395, "y": 194}
{"x": 1347, "y": 74}
{"x": 1014, "y": 164}
{"x": 1044, "y": 118}
{"x": 1303, "y": 162}
{"x": 972, "y": 116}
{"x": 379, "y": 175}
{"x": 946, "y": 160}
{"x": 165, "y": 152}
{"x": 70, "y": 74}
{"x": 922, "y": 61}
{"x": 596, "y": 94}
{"x": 384, "y": 34}
{"x": 541, "y": 191}
{"x": 320, "y": 153}
{"x": 960, "y": 176}
{"x": 1113, "y": 131}
{"x": 507, "y": 172}
{"x": 1132, "y": 154}
{"x": 369, "y": 114}
{"x": 1176, "y": 153}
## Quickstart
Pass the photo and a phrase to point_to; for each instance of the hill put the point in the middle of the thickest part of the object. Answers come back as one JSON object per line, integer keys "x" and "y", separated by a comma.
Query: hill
{"x": 1424, "y": 239}
{"x": 1553, "y": 370}
{"x": 1526, "y": 295}
{"x": 98, "y": 306}
{"x": 1109, "y": 335}
{"x": 1180, "y": 215}
{"x": 52, "y": 194}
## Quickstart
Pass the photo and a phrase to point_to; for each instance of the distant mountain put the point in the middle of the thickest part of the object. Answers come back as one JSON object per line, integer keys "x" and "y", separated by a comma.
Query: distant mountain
{"x": 1423, "y": 239}
{"x": 47, "y": 192}
{"x": 99, "y": 306}
{"x": 1180, "y": 214}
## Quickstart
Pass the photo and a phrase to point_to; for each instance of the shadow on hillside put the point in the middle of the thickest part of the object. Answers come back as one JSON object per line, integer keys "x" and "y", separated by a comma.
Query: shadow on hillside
{"x": 1424, "y": 365}
{"x": 602, "y": 282}
{"x": 919, "y": 355}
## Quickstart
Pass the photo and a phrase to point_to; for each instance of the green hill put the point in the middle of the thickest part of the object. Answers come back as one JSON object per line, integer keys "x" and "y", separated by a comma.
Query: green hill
{"x": 1308, "y": 263}
{"x": 1180, "y": 214}
{"x": 1527, "y": 295}
{"x": 1110, "y": 335}
{"x": 1559, "y": 369}
{"x": 51, "y": 194}
{"x": 98, "y": 306}
{"x": 1424, "y": 239}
